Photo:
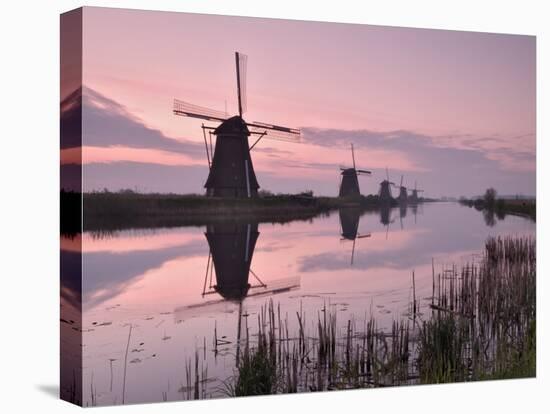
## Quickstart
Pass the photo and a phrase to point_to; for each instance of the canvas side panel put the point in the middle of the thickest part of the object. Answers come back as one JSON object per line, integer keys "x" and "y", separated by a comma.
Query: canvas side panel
{"x": 71, "y": 207}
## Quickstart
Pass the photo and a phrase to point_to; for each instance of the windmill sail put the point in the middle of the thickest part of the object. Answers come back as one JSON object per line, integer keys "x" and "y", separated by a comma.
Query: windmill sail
{"x": 240, "y": 62}
{"x": 275, "y": 132}
{"x": 231, "y": 171}
{"x": 183, "y": 108}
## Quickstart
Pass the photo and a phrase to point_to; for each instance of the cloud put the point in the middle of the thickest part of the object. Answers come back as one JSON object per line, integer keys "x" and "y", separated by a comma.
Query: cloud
{"x": 121, "y": 151}
{"x": 106, "y": 275}
{"x": 106, "y": 123}
{"x": 443, "y": 165}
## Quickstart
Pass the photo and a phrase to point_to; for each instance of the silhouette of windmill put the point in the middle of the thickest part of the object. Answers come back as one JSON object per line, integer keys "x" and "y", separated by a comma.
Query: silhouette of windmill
{"x": 414, "y": 196}
{"x": 402, "y": 198}
{"x": 349, "y": 226}
{"x": 349, "y": 184}
{"x": 231, "y": 169}
{"x": 384, "y": 193}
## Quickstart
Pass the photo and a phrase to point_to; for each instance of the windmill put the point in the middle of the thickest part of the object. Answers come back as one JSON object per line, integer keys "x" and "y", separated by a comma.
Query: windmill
{"x": 349, "y": 226}
{"x": 231, "y": 170}
{"x": 349, "y": 185}
{"x": 414, "y": 196}
{"x": 384, "y": 193}
{"x": 403, "y": 196}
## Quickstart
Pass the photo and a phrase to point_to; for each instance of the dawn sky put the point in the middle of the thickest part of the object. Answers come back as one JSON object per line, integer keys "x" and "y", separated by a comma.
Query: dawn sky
{"x": 454, "y": 111}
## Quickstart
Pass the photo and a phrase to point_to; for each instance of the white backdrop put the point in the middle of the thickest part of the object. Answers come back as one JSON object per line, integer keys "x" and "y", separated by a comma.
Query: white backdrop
{"x": 29, "y": 57}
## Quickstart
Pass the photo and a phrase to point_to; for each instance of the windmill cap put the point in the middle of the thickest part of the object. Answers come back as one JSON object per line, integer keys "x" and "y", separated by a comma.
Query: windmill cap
{"x": 348, "y": 171}
{"x": 233, "y": 125}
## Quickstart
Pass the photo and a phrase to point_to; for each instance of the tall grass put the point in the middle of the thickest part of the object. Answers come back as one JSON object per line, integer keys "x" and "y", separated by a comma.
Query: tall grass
{"x": 482, "y": 325}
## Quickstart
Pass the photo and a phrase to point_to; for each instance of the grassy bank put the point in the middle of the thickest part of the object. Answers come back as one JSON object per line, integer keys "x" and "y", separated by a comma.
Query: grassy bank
{"x": 121, "y": 210}
{"x": 501, "y": 207}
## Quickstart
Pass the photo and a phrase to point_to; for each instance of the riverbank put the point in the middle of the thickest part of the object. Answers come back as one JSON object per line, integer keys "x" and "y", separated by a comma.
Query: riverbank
{"x": 501, "y": 207}
{"x": 115, "y": 211}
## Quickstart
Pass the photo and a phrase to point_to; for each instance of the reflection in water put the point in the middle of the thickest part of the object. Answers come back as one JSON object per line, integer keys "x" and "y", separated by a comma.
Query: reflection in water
{"x": 157, "y": 282}
{"x": 71, "y": 322}
{"x": 349, "y": 225}
{"x": 231, "y": 249}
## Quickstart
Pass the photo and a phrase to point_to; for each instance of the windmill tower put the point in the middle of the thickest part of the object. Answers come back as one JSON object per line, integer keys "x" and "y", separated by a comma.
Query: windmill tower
{"x": 414, "y": 196}
{"x": 403, "y": 195}
{"x": 349, "y": 226}
{"x": 384, "y": 193}
{"x": 230, "y": 163}
{"x": 349, "y": 185}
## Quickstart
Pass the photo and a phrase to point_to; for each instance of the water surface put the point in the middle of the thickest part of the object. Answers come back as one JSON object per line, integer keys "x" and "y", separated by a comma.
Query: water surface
{"x": 162, "y": 283}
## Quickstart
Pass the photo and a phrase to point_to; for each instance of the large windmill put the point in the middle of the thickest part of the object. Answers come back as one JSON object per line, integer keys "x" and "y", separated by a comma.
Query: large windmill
{"x": 349, "y": 226}
{"x": 231, "y": 170}
{"x": 403, "y": 195}
{"x": 414, "y": 196}
{"x": 349, "y": 185}
{"x": 384, "y": 193}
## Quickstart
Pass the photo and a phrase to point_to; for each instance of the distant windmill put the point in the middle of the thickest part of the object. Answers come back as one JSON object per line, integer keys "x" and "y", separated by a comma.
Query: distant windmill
{"x": 403, "y": 195}
{"x": 231, "y": 170}
{"x": 349, "y": 226}
{"x": 349, "y": 185}
{"x": 384, "y": 193}
{"x": 414, "y": 196}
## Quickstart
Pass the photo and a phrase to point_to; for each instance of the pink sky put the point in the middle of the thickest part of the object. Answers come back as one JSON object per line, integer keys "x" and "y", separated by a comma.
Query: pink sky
{"x": 427, "y": 94}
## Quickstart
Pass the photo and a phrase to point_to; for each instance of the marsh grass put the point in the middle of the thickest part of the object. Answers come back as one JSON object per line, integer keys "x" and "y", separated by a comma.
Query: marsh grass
{"x": 482, "y": 325}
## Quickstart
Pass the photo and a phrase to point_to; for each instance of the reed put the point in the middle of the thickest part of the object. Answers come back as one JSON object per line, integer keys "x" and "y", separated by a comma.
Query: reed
{"x": 482, "y": 325}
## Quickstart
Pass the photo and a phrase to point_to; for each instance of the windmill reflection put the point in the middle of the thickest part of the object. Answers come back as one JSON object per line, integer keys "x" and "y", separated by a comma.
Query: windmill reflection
{"x": 349, "y": 226}
{"x": 402, "y": 214}
{"x": 231, "y": 249}
{"x": 228, "y": 272}
{"x": 386, "y": 217}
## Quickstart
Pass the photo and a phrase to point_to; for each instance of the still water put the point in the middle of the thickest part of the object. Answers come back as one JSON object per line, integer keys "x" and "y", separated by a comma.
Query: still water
{"x": 176, "y": 286}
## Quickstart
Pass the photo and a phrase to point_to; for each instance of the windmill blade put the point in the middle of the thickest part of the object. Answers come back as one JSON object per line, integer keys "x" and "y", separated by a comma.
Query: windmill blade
{"x": 363, "y": 236}
{"x": 183, "y": 108}
{"x": 274, "y": 127}
{"x": 364, "y": 172}
{"x": 275, "y": 132}
{"x": 240, "y": 63}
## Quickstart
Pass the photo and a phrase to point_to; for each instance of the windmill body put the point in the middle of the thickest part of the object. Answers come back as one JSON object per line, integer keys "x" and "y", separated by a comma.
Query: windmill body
{"x": 402, "y": 198}
{"x": 384, "y": 194}
{"x": 403, "y": 195}
{"x": 230, "y": 163}
{"x": 414, "y": 198}
{"x": 349, "y": 185}
{"x": 232, "y": 172}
